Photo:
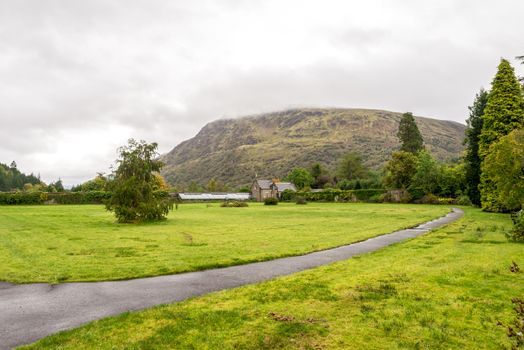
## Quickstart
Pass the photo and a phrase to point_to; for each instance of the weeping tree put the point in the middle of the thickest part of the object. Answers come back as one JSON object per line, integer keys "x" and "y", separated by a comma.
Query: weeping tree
{"x": 135, "y": 186}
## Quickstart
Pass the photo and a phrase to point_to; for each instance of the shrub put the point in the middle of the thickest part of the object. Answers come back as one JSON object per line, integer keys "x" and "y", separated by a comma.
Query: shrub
{"x": 301, "y": 200}
{"x": 397, "y": 196}
{"x": 517, "y": 233}
{"x": 428, "y": 199}
{"x": 464, "y": 200}
{"x": 446, "y": 201}
{"x": 270, "y": 201}
{"x": 233, "y": 204}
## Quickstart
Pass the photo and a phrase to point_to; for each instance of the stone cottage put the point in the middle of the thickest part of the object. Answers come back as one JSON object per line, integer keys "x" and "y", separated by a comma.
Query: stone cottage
{"x": 262, "y": 189}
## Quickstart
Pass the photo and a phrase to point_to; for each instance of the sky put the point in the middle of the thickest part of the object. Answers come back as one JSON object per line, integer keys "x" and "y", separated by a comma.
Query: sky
{"x": 79, "y": 78}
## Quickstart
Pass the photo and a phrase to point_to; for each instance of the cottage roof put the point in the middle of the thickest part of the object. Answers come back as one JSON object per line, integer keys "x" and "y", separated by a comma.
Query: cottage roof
{"x": 282, "y": 186}
{"x": 264, "y": 184}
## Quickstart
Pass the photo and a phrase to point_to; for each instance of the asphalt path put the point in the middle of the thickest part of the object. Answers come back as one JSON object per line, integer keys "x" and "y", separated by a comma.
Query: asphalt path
{"x": 29, "y": 312}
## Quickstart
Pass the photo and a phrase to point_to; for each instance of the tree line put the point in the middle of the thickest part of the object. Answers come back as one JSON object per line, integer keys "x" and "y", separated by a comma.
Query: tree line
{"x": 12, "y": 179}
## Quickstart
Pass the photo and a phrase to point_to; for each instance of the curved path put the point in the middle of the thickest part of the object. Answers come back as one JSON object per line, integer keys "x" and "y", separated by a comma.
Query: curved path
{"x": 29, "y": 312}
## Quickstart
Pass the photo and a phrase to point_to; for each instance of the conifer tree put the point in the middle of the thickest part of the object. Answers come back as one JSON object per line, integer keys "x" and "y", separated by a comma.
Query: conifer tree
{"x": 503, "y": 114}
{"x": 472, "y": 157}
{"x": 409, "y": 135}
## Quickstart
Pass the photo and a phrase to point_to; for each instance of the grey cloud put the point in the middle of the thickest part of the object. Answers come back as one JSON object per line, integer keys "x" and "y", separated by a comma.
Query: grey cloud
{"x": 161, "y": 70}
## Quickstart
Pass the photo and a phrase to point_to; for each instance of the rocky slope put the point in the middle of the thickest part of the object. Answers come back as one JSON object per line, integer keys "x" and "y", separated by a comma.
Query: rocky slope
{"x": 269, "y": 145}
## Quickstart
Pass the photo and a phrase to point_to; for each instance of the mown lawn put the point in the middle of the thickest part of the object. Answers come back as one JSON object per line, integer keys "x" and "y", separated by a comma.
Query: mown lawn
{"x": 445, "y": 290}
{"x": 83, "y": 243}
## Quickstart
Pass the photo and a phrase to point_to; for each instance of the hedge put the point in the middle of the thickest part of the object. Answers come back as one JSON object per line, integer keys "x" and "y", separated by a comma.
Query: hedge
{"x": 88, "y": 197}
{"x": 21, "y": 198}
{"x": 335, "y": 195}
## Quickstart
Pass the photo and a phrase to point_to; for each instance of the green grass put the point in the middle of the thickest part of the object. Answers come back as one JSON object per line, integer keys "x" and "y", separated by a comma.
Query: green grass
{"x": 83, "y": 243}
{"x": 444, "y": 290}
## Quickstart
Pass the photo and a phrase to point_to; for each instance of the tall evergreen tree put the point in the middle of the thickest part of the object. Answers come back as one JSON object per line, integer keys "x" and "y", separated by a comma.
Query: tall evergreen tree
{"x": 409, "y": 135}
{"x": 503, "y": 113}
{"x": 472, "y": 158}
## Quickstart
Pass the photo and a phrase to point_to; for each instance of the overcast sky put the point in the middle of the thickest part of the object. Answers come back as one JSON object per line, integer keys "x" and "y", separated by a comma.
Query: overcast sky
{"x": 80, "y": 77}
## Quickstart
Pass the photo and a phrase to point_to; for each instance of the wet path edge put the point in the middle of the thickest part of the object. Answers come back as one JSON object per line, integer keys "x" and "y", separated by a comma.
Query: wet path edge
{"x": 29, "y": 312}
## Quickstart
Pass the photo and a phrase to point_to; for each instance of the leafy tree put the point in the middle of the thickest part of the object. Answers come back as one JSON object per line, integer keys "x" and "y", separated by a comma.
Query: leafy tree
{"x": 320, "y": 176}
{"x": 472, "y": 158}
{"x": 503, "y": 114}
{"x": 133, "y": 186}
{"x": 300, "y": 177}
{"x": 99, "y": 183}
{"x": 215, "y": 185}
{"x": 351, "y": 167}
{"x": 426, "y": 175}
{"x": 194, "y": 187}
{"x": 400, "y": 170}
{"x": 504, "y": 166}
{"x": 409, "y": 135}
{"x": 452, "y": 180}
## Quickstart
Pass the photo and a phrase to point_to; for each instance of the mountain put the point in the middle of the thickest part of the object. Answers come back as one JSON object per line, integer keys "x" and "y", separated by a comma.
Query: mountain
{"x": 270, "y": 145}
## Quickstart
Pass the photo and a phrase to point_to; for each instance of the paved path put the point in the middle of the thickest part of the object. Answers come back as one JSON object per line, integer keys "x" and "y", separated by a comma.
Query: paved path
{"x": 29, "y": 312}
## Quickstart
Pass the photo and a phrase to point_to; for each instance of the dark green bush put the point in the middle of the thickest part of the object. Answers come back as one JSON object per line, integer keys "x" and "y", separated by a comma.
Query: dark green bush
{"x": 301, "y": 200}
{"x": 416, "y": 193}
{"x": 463, "y": 200}
{"x": 270, "y": 201}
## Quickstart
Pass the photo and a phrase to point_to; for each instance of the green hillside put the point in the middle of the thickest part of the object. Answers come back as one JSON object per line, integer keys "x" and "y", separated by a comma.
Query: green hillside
{"x": 269, "y": 145}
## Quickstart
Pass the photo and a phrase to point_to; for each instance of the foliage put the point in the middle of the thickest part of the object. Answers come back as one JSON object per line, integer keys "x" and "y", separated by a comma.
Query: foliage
{"x": 99, "y": 183}
{"x": 300, "y": 177}
{"x": 426, "y": 175}
{"x": 300, "y": 200}
{"x": 464, "y": 200}
{"x": 503, "y": 112}
{"x": 87, "y": 197}
{"x": 452, "y": 180}
{"x": 409, "y": 135}
{"x": 233, "y": 204}
{"x": 215, "y": 185}
{"x": 472, "y": 158}
{"x": 320, "y": 176}
{"x": 12, "y": 179}
{"x": 195, "y": 187}
{"x": 335, "y": 195}
{"x": 400, "y": 170}
{"x": 503, "y": 166}
{"x": 517, "y": 233}
{"x": 22, "y": 198}
{"x": 351, "y": 167}
{"x": 133, "y": 186}
{"x": 270, "y": 201}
